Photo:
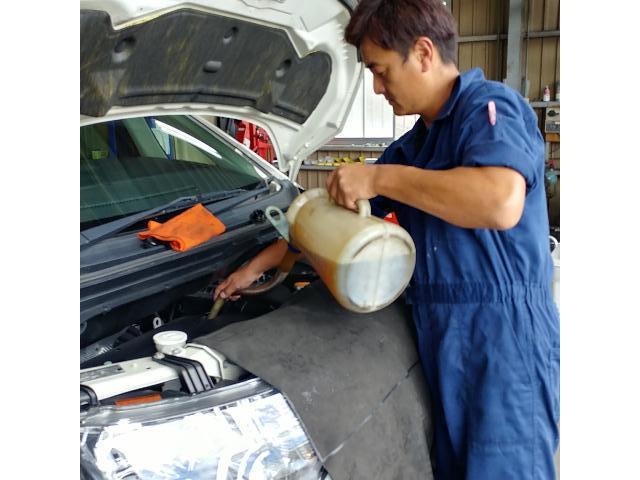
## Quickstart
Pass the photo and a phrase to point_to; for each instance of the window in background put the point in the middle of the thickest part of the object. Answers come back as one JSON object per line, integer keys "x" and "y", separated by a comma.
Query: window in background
{"x": 354, "y": 126}
{"x": 404, "y": 123}
{"x": 378, "y": 114}
{"x": 371, "y": 119}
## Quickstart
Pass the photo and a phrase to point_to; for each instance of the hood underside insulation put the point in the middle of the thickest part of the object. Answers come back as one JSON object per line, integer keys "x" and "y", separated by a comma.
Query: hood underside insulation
{"x": 355, "y": 380}
{"x": 188, "y": 56}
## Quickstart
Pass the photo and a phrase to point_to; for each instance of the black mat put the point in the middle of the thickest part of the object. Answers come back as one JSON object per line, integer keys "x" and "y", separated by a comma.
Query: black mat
{"x": 354, "y": 379}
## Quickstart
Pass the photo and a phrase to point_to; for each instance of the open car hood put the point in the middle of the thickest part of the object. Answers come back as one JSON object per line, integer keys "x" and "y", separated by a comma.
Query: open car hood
{"x": 282, "y": 64}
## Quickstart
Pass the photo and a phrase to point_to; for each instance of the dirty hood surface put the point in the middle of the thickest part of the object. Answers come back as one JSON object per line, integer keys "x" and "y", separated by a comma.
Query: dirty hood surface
{"x": 282, "y": 64}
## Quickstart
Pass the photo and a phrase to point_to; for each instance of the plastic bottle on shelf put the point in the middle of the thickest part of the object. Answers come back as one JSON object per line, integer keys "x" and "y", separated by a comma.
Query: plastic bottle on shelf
{"x": 546, "y": 96}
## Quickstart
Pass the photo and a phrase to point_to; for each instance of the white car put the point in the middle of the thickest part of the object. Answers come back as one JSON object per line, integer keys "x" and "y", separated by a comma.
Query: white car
{"x": 286, "y": 384}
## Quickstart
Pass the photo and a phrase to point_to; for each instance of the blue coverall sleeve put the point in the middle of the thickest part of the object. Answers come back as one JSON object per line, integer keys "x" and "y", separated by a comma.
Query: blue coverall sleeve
{"x": 380, "y": 206}
{"x": 514, "y": 141}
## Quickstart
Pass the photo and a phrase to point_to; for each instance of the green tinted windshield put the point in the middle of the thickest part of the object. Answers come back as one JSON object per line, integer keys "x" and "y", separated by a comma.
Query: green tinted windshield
{"x": 135, "y": 164}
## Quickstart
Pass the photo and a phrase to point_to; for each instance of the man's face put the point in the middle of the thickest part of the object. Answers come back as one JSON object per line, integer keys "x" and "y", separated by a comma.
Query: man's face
{"x": 394, "y": 77}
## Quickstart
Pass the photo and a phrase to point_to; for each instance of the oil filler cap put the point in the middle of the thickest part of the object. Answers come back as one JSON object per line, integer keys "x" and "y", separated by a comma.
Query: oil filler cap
{"x": 170, "y": 342}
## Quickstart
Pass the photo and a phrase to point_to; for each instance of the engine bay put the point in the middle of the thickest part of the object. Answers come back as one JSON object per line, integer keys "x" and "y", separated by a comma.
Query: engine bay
{"x": 263, "y": 393}
{"x": 121, "y": 362}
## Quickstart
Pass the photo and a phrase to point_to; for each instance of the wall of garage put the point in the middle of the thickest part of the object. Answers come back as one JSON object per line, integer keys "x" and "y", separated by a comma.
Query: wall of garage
{"x": 540, "y": 54}
{"x": 483, "y": 27}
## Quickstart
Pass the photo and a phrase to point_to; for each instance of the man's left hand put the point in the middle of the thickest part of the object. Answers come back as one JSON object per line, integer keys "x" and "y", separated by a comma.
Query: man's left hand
{"x": 350, "y": 183}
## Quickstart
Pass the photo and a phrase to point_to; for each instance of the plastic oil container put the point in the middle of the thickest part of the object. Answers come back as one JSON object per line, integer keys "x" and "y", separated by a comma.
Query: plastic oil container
{"x": 364, "y": 261}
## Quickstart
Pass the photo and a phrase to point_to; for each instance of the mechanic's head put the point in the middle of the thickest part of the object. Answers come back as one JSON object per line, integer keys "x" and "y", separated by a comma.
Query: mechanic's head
{"x": 408, "y": 45}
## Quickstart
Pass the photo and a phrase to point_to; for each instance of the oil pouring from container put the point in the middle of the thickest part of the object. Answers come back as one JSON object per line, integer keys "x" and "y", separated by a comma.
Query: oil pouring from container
{"x": 365, "y": 262}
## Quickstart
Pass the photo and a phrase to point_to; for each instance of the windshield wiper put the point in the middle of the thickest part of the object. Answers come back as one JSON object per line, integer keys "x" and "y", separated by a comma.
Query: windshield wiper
{"x": 93, "y": 235}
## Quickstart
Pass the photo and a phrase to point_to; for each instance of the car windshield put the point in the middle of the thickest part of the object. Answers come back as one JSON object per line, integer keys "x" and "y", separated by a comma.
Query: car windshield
{"x": 136, "y": 164}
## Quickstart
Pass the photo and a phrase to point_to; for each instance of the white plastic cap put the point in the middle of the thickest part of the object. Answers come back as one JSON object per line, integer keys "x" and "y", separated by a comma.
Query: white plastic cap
{"x": 170, "y": 341}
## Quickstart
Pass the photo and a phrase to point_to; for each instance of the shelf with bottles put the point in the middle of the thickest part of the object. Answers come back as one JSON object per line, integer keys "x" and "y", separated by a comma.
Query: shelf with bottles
{"x": 541, "y": 104}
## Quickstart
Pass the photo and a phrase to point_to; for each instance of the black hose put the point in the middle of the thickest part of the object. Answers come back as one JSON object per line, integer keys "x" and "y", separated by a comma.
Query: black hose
{"x": 88, "y": 397}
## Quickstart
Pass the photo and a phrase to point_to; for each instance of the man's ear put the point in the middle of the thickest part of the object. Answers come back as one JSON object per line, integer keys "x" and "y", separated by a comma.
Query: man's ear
{"x": 425, "y": 52}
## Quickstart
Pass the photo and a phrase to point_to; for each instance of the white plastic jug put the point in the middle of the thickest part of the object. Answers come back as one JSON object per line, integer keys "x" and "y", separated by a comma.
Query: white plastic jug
{"x": 365, "y": 262}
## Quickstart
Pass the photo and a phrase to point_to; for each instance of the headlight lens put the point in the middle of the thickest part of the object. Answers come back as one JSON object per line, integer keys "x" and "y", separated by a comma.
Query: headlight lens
{"x": 256, "y": 437}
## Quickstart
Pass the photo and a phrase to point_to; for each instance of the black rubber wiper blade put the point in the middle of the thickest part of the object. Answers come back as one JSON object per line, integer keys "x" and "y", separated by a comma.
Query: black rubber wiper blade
{"x": 93, "y": 235}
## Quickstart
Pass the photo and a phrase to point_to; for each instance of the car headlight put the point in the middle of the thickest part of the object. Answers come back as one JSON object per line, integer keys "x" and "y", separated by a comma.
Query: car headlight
{"x": 244, "y": 431}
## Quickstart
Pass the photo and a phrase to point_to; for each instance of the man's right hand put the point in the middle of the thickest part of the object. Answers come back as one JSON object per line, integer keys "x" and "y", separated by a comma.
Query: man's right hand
{"x": 238, "y": 280}
{"x": 350, "y": 183}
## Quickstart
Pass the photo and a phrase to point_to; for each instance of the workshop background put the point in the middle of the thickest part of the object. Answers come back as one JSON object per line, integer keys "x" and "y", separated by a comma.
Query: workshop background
{"x": 513, "y": 41}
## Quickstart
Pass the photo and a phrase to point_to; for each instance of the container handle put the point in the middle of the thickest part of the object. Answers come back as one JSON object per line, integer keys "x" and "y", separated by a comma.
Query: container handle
{"x": 554, "y": 241}
{"x": 364, "y": 208}
{"x": 278, "y": 220}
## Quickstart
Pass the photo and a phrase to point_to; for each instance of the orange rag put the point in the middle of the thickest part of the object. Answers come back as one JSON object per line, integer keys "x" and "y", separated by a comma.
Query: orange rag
{"x": 192, "y": 227}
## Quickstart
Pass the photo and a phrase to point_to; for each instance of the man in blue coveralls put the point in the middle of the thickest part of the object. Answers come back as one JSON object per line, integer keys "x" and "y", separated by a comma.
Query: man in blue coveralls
{"x": 467, "y": 183}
